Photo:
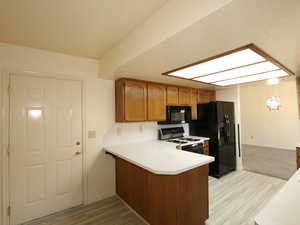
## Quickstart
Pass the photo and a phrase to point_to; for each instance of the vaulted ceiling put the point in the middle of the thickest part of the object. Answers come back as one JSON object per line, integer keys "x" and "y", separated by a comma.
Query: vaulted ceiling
{"x": 144, "y": 38}
{"x": 272, "y": 25}
{"x": 75, "y": 27}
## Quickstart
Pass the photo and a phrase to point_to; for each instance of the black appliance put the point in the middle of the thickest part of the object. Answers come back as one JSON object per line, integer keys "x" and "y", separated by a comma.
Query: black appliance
{"x": 176, "y": 135}
{"x": 177, "y": 114}
{"x": 196, "y": 148}
{"x": 216, "y": 121}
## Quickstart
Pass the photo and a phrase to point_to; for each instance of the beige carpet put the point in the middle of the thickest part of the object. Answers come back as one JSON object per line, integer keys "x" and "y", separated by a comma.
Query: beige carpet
{"x": 270, "y": 161}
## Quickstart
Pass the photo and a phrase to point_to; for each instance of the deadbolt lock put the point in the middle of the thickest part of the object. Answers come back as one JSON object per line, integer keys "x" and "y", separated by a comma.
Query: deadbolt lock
{"x": 78, "y": 143}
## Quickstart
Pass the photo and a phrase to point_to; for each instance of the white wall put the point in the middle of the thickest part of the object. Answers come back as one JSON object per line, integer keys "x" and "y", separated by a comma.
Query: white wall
{"x": 1, "y": 144}
{"x": 21, "y": 59}
{"x": 100, "y": 117}
{"x": 123, "y": 133}
{"x": 99, "y": 105}
{"x": 232, "y": 95}
{"x": 99, "y": 110}
{"x": 171, "y": 18}
{"x": 261, "y": 127}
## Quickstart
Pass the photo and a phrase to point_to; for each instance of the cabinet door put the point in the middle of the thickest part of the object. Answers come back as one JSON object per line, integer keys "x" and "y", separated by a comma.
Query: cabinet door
{"x": 298, "y": 157}
{"x": 206, "y": 148}
{"x": 194, "y": 101}
{"x": 135, "y": 101}
{"x": 211, "y": 96}
{"x": 156, "y": 102}
{"x": 205, "y": 96}
{"x": 172, "y": 95}
{"x": 184, "y": 96}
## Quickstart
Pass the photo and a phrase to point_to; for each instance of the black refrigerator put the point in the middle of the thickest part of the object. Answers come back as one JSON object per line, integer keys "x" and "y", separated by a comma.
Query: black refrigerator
{"x": 216, "y": 121}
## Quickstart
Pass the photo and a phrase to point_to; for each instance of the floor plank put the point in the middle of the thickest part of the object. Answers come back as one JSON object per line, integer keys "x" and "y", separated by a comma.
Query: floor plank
{"x": 234, "y": 200}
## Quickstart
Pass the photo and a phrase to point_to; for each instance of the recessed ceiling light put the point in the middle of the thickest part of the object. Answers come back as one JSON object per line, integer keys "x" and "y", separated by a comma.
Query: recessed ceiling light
{"x": 264, "y": 76}
{"x": 237, "y": 59}
{"x": 239, "y": 72}
{"x": 238, "y": 64}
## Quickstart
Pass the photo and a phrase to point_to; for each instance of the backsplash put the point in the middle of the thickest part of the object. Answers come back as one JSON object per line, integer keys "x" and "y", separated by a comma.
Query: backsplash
{"x": 124, "y": 133}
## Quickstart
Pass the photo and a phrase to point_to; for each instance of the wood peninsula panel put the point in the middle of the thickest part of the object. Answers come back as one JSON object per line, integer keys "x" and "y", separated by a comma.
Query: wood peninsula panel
{"x": 132, "y": 186}
{"x": 164, "y": 199}
{"x": 172, "y": 95}
{"x": 156, "y": 102}
{"x": 184, "y": 96}
{"x": 193, "y": 186}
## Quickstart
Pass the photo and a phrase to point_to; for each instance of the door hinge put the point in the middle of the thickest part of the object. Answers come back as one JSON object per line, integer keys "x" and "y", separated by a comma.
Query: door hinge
{"x": 8, "y": 211}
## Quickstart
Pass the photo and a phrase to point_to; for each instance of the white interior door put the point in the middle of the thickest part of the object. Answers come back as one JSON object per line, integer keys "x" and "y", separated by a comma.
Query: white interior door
{"x": 45, "y": 145}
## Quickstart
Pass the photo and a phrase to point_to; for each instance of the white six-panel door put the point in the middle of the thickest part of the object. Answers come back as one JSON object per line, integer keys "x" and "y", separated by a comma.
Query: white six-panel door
{"x": 45, "y": 145}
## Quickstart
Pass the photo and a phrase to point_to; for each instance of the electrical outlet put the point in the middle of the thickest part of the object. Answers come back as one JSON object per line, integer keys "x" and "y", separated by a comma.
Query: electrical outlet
{"x": 141, "y": 128}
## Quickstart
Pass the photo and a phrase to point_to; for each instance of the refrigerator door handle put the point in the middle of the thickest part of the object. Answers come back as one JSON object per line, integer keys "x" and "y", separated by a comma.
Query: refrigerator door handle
{"x": 239, "y": 139}
{"x": 219, "y": 135}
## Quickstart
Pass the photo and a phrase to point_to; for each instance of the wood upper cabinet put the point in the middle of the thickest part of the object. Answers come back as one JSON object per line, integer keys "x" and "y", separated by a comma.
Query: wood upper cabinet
{"x": 138, "y": 101}
{"x": 172, "y": 95}
{"x": 156, "y": 102}
{"x": 205, "y": 96}
{"x": 194, "y": 101}
{"x": 184, "y": 96}
{"x": 298, "y": 157}
{"x": 131, "y": 100}
{"x": 206, "y": 147}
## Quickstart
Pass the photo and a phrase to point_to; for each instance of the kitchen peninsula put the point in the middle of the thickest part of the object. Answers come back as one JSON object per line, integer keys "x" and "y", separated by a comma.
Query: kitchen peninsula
{"x": 163, "y": 185}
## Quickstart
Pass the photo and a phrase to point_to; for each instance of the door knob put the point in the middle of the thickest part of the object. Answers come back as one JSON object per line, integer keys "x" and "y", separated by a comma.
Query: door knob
{"x": 77, "y": 142}
{"x": 77, "y": 153}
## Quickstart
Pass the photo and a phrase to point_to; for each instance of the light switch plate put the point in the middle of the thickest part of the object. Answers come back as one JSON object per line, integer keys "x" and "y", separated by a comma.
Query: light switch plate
{"x": 91, "y": 134}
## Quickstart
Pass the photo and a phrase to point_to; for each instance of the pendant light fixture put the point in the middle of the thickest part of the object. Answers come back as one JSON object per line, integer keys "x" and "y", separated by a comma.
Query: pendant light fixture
{"x": 273, "y": 103}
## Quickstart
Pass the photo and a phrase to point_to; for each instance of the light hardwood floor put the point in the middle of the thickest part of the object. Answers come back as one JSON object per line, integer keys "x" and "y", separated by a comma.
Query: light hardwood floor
{"x": 234, "y": 200}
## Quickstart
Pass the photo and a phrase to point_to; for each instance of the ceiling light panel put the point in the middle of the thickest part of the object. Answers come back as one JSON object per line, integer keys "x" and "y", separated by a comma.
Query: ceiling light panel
{"x": 233, "y": 60}
{"x": 264, "y": 76}
{"x": 239, "y": 72}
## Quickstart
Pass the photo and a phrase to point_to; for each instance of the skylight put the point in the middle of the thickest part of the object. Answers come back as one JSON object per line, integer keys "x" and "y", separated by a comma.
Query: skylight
{"x": 245, "y": 64}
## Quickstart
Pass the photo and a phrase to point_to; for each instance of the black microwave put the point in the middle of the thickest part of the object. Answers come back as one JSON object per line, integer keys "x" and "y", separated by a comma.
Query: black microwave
{"x": 178, "y": 114}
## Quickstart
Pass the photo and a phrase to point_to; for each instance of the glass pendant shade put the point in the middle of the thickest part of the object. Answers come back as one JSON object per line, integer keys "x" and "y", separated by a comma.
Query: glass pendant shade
{"x": 273, "y": 103}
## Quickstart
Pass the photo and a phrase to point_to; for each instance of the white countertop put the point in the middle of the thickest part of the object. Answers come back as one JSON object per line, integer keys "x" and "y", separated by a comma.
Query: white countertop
{"x": 159, "y": 157}
{"x": 283, "y": 209}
